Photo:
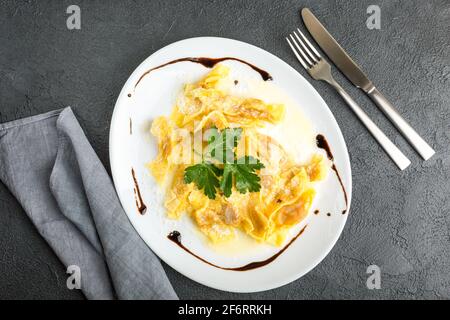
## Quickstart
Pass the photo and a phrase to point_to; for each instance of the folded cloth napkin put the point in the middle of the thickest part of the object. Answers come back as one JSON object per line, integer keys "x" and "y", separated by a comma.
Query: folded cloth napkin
{"x": 50, "y": 167}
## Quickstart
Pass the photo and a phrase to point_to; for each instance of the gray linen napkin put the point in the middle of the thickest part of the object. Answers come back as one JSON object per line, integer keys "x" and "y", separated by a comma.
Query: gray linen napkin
{"x": 50, "y": 167}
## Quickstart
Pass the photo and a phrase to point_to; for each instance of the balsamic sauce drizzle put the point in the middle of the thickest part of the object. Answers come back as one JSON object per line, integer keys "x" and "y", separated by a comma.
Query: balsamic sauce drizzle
{"x": 322, "y": 143}
{"x": 208, "y": 63}
{"x": 142, "y": 208}
{"x": 131, "y": 127}
{"x": 175, "y": 237}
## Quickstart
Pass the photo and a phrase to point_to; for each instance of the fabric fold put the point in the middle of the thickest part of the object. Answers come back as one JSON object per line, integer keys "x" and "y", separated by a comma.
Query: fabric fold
{"x": 50, "y": 167}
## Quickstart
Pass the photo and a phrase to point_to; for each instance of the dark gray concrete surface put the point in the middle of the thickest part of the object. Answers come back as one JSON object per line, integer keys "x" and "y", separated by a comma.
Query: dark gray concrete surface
{"x": 399, "y": 220}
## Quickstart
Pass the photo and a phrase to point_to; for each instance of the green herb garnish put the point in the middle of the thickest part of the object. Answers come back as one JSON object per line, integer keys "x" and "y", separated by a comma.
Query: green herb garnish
{"x": 204, "y": 175}
{"x": 243, "y": 171}
{"x": 221, "y": 144}
{"x": 221, "y": 149}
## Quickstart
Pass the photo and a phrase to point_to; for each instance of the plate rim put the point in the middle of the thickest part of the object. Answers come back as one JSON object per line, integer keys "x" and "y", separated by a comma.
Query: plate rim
{"x": 340, "y": 137}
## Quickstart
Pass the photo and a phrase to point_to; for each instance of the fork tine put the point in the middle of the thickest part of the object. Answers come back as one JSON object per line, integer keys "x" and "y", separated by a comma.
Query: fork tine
{"x": 310, "y": 54}
{"x": 297, "y": 55}
{"x": 301, "y": 52}
{"x": 310, "y": 44}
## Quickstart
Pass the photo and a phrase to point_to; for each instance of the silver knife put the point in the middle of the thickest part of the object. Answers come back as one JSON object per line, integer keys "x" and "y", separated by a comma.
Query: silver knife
{"x": 353, "y": 73}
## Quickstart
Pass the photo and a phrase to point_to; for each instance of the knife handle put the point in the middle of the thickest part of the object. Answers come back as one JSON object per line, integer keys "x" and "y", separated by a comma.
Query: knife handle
{"x": 408, "y": 132}
{"x": 391, "y": 149}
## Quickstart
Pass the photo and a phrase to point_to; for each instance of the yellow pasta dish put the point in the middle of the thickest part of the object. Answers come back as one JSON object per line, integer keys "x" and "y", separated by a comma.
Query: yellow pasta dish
{"x": 217, "y": 167}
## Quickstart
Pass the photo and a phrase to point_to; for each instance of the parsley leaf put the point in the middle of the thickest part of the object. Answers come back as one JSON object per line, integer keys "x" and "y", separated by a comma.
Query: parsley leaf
{"x": 221, "y": 149}
{"x": 221, "y": 144}
{"x": 243, "y": 171}
{"x": 204, "y": 175}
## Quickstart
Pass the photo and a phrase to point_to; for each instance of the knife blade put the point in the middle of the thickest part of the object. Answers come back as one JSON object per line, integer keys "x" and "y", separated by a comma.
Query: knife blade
{"x": 356, "y": 76}
{"x": 335, "y": 52}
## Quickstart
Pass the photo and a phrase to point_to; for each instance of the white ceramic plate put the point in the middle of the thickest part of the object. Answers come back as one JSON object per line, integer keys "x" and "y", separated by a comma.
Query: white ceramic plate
{"x": 155, "y": 95}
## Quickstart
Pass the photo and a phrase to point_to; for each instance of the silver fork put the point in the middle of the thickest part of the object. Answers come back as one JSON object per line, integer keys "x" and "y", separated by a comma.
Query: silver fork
{"x": 320, "y": 69}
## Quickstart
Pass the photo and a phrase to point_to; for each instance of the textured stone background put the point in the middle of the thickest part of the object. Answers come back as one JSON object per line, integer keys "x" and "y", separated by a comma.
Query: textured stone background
{"x": 399, "y": 220}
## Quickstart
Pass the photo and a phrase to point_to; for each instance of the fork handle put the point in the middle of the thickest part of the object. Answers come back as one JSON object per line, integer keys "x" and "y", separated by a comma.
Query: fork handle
{"x": 391, "y": 149}
{"x": 408, "y": 132}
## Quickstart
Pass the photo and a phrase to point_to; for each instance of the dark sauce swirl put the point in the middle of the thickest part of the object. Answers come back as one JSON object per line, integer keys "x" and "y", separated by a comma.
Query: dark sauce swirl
{"x": 322, "y": 143}
{"x": 175, "y": 237}
{"x": 208, "y": 63}
{"x": 141, "y": 207}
